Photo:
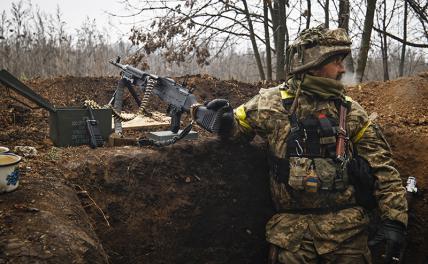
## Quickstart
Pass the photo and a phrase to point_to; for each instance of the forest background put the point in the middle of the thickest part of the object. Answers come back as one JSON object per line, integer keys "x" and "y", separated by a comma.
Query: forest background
{"x": 244, "y": 40}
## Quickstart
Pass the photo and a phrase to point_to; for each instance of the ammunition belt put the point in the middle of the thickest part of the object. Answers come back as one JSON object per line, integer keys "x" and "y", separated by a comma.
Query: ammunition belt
{"x": 123, "y": 117}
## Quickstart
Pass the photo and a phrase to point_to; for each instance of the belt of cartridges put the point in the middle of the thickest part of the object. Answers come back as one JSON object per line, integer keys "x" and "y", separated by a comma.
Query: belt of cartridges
{"x": 121, "y": 116}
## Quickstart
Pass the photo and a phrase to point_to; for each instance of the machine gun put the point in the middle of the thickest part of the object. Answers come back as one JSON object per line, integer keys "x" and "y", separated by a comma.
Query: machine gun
{"x": 178, "y": 98}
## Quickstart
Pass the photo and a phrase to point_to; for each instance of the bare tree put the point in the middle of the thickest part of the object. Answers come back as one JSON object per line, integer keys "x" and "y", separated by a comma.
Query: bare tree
{"x": 43, "y": 47}
{"x": 197, "y": 26}
{"x": 280, "y": 41}
{"x": 19, "y": 15}
{"x": 308, "y": 13}
{"x": 253, "y": 41}
{"x": 403, "y": 46}
{"x": 267, "y": 38}
{"x": 202, "y": 26}
{"x": 34, "y": 43}
{"x": 326, "y": 7}
{"x": 343, "y": 22}
{"x": 365, "y": 40}
{"x": 385, "y": 20}
{"x": 420, "y": 8}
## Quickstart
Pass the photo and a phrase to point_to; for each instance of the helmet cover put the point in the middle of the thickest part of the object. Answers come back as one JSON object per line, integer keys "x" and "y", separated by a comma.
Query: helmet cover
{"x": 315, "y": 45}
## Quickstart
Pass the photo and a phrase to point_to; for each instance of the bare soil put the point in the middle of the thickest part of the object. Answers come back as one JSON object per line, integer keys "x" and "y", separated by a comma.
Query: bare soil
{"x": 195, "y": 202}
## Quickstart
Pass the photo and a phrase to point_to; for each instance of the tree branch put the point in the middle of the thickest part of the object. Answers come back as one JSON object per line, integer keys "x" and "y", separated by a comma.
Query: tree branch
{"x": 416, "y": 45}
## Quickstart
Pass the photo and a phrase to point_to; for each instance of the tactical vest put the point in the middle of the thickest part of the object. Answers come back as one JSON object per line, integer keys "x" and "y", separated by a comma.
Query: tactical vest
{"x": 309, "y": 178}
{"x": 311, "y": 153}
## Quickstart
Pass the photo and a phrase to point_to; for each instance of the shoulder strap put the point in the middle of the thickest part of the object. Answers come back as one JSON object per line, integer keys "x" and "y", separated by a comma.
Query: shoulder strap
{"x": 287, "y": 98}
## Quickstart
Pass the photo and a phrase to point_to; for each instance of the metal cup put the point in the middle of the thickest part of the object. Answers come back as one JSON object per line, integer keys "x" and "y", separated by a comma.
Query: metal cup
{"x": 9, "y": 172}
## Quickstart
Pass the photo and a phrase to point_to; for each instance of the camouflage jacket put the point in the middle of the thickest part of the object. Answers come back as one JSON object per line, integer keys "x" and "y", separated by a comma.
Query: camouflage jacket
{"x": 265, "y": 116}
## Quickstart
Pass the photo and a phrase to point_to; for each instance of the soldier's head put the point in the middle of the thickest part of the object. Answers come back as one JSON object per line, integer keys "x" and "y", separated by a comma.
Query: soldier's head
{"x": 319, "y": 51}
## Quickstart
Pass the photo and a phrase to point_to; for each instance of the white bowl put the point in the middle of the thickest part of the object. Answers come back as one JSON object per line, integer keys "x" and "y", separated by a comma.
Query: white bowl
{"x": 3, "y": 150}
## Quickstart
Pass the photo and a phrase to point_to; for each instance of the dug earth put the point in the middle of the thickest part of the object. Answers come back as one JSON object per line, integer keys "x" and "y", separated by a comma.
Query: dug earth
{"x": 197, "y": 201}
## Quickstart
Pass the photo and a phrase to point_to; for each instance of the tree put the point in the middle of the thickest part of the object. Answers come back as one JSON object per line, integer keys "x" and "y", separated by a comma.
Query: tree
{"x": 204, "y": 26}
{"x": 384, "y": 44}
{"x": 200, "y": 30}
{"x": 385, "y": 20}
{"x": 253, "y": 41}
{"x": 198, "y": 27}
{"x": 420, "y": 8}
{"x": 326, "y": 7}
{"x": 403, "y": 46}
{"x": 267, "y": 38}
{"x": 308, "y": 14}
{"x": 281, "y": 36}
{"x": 343, "y": 22}
{"x": 365, "y": 40}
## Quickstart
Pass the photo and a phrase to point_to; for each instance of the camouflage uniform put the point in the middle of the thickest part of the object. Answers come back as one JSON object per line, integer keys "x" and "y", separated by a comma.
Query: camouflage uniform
{"x": 337, "y": 236}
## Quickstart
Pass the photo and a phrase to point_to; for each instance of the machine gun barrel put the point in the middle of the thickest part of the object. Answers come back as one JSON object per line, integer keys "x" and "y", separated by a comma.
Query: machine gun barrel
{"x": 178, "y": 97}
{"x": 130, "y": 71}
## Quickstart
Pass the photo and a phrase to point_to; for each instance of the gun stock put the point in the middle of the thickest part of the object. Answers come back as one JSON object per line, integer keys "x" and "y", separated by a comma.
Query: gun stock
{"x": 341, "y": 137}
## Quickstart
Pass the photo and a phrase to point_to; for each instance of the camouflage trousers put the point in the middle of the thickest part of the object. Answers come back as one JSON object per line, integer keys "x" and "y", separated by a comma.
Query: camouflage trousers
{"x": 351, "y": 251}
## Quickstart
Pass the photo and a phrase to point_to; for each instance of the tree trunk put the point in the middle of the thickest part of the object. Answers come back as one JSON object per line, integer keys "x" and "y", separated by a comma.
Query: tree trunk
{"x": 280, "y": 32}
{"x": 403, "y": 47}
{"x": 267, "y": 38}
{"x": 365, "y": 40}
{"x": 384, "y": 46}
{"x": 309, "y": 13}
{"x": 327, "y": 14}
{"x": 253, "y": 42}
{"x": 275, "y": 20}
{"x": 344, "y": 23}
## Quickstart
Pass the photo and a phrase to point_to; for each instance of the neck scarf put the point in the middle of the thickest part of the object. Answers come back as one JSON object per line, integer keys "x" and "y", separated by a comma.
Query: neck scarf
{"x": 325, "y": 88}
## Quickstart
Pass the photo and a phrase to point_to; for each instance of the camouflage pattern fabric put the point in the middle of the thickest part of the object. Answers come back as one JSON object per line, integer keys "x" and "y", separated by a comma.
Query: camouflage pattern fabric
{"x": 315, "y": 45}
{"x": 352, "y": 251}
{"x": 265, "y": 115}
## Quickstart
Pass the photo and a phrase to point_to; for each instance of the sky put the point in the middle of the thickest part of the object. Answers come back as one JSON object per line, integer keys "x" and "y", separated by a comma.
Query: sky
{"x": 75, "y": 13}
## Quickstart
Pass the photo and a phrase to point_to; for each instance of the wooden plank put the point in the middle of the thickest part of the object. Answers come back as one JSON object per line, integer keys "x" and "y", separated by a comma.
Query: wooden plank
{"x": 156, "y": 120}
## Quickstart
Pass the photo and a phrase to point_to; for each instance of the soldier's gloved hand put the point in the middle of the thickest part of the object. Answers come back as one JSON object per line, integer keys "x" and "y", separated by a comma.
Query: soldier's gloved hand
{"x": 392, "y": 233}
{"x": 226, "y": 119}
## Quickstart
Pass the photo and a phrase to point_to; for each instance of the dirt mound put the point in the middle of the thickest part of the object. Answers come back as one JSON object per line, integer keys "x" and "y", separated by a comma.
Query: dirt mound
{"x": 195, "y": 202}
{"x": 401, "y": 103}
{"x": 402, "y": 107}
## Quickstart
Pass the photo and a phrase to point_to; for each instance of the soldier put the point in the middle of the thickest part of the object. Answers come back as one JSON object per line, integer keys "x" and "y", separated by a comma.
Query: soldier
{"x": 320, "y": 183}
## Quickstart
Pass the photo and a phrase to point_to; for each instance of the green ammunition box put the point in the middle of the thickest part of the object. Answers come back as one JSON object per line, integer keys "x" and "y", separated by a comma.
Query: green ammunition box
{"x": 67, "y": 126}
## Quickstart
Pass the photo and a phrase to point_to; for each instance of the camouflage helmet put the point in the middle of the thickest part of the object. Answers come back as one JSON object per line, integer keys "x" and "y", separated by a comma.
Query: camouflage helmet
{"x": 315, "y": 45}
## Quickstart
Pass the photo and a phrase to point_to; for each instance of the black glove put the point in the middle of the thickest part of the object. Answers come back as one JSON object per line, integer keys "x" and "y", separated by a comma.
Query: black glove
{"x": 393, "y": 233}
{"x": 226, "y": 120}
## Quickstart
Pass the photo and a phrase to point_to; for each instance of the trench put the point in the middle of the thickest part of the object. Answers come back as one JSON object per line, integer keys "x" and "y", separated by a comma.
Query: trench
{"x": 207, "y": 202}
{"x": 204, "y": 202}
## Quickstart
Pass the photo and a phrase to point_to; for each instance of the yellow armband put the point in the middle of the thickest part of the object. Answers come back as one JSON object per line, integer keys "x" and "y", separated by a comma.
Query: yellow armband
{"x": 360, "y": 133}
{"x": 241, "y": 116}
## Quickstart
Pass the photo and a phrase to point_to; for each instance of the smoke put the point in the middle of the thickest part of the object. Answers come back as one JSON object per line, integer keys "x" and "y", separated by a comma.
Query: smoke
{"x": 348, "y": 78}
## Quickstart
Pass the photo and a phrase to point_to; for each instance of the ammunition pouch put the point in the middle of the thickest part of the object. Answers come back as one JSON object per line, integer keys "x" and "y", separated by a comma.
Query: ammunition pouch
{"x": 309, "y": 174}
{"x": 361, "y": 177}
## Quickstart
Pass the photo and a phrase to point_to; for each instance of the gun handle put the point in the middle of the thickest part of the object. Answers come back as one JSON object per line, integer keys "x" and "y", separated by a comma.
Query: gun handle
{"x": 175, "y": 121}
{"x": 209, "y": 119}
